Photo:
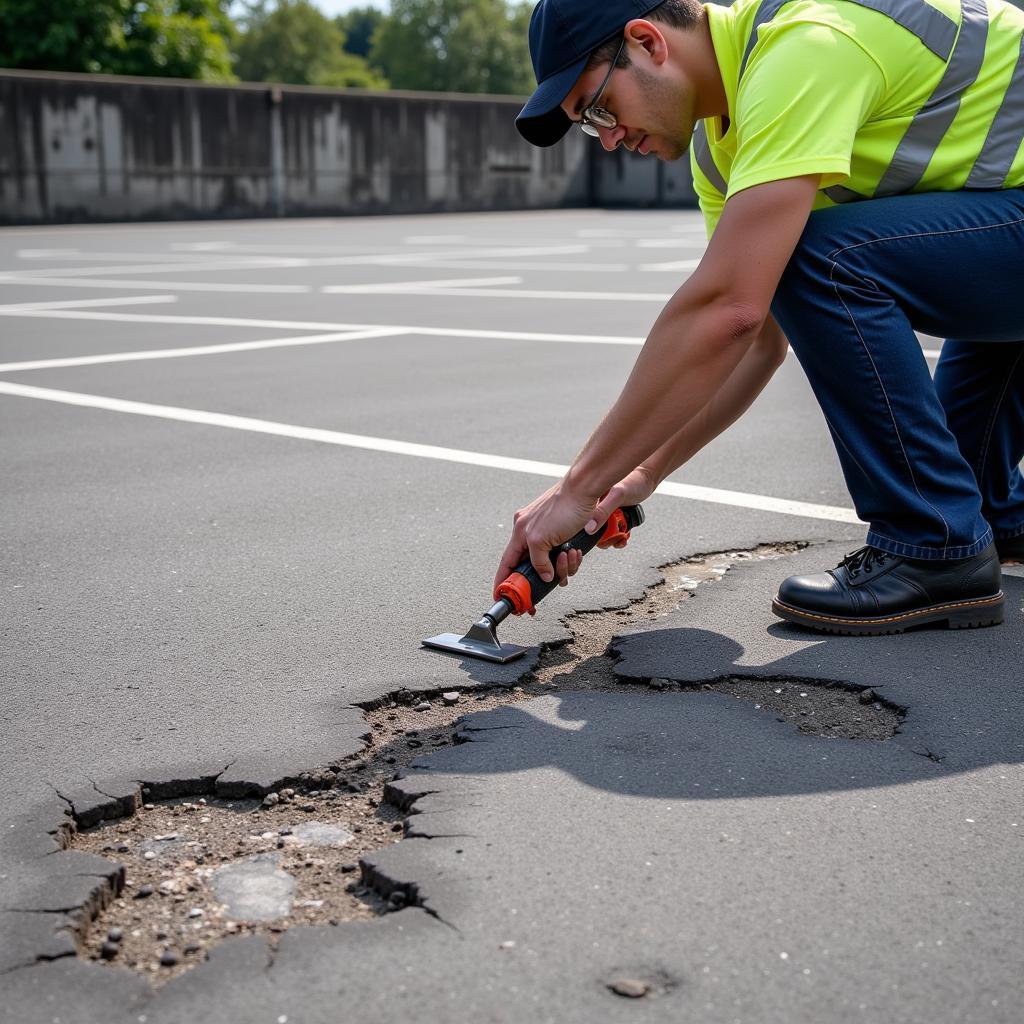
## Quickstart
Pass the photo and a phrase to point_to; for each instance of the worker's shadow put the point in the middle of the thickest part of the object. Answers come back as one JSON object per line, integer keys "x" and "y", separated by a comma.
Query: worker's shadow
{"x": 961, "y": 692}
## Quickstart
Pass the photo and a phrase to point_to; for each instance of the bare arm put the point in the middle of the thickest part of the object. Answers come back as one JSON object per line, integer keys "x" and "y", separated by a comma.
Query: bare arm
{"x": 764, "y": 356}
{"x": 688, "y": 363}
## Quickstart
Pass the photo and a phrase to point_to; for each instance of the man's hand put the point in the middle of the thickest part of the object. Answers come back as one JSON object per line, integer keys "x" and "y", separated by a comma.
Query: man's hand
{"x": 633, "y": 489}
{"x": 546, "y": 522}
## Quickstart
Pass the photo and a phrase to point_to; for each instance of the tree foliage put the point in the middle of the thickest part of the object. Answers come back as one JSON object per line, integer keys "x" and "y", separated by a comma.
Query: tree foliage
{"x": 359, "y": 25}
{"x": 455, "y": 46}
{"x": 294, "y": 42}
{"x": 440, "y": 45}
{"x": 179, "y": 38}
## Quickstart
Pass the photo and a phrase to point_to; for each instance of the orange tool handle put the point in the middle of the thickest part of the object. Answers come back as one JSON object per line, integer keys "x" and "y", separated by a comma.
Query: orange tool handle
{"x": 524, "y": 587}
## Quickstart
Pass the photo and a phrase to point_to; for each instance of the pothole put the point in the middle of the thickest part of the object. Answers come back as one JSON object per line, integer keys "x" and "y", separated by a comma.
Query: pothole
{"x": 188, "y": 862}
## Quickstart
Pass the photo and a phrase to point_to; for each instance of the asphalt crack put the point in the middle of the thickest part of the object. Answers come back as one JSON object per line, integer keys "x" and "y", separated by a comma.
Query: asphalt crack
{"x": 174, "y": 835}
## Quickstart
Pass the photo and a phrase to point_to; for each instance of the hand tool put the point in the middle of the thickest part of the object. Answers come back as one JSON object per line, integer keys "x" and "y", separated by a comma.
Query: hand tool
{"x": 524, "y": 588}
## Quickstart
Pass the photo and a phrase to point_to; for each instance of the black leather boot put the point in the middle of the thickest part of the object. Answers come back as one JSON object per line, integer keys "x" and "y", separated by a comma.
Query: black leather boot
{"x": 872, "y": 592}
{"x": 1011, "y": 549}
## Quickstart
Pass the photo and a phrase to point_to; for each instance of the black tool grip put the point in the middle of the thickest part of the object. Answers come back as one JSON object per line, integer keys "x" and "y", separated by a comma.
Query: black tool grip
{"x": 583, "y": 542}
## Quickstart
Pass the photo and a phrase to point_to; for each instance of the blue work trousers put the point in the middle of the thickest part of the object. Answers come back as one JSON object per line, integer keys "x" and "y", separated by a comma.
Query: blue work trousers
{"x": 933, "y": 466}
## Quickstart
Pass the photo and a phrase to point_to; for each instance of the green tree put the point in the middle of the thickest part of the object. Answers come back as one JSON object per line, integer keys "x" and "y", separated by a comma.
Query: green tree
{"x": 183, "y": 38}
{"x": 359, "y": 24}
{"x": 295, "y": 42}
{"x": 454, "y": 46}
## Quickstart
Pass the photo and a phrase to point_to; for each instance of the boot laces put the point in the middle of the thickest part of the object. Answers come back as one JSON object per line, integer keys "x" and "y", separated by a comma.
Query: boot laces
{"x": 864, "y": 560}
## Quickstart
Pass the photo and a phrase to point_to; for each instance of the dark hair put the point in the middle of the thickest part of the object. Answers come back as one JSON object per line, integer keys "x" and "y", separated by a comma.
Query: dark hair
{"x": 684, "y": 14}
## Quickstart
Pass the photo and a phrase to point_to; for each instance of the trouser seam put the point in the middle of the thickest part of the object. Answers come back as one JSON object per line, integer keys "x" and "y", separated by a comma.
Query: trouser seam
{"x": 881, "y": 384}
{"x": 983, "y": 457}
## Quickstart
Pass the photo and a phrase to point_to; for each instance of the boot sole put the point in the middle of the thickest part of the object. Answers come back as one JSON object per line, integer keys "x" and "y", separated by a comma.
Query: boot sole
{"x": 986, "y": 611}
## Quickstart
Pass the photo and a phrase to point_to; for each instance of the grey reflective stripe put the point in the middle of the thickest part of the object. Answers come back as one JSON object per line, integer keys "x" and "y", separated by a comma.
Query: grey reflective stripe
{"x": 702, "y": 153}
{"x": 1003, "y": 141}
{"x": 930, "y": 25}
{"x": 932, "y": 121}
{"x": 765, "y": 12}
{"x": 842, "y": 194}
{"x": 936, "y": 30}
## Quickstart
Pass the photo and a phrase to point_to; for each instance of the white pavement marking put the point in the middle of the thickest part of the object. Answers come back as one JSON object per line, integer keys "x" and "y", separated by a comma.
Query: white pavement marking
{"x": 516, "y": 293}
{"x": 676, "y": 265}
{"x": 415, "y": 287}
{"x": 170, "y": 286}
{"x": 135, "y": 300}
{"x": 314, "y": 325}
{"x": 198, "y": 350}
{"x": 670, "y": 243}
{"x": 737, "y": 499}
{"x": 435, "y": 239}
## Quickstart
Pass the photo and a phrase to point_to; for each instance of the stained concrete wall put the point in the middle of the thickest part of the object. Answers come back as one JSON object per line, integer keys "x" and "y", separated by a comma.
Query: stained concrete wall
{"x": 84, "y": 147}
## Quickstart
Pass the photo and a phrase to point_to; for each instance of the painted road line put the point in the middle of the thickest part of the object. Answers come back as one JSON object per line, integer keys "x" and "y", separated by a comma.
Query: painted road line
{"x": 513, "y": 293}
{"x": 760, "y": 502}
{"x": 670, "y": 243}
{"x": 134, "y": 300}
{"x": 170, "y": 286}
{"x": 199, "y": 350}
{"x": 174, "y": 266}
{"x": 415, "y": 287}
{"x": 314, "y": 325}
{"x": 673, "y": 266}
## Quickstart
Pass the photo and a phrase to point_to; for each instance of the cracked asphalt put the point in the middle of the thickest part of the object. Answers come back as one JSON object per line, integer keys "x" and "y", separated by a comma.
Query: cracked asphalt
{"x": 206, "y": 602}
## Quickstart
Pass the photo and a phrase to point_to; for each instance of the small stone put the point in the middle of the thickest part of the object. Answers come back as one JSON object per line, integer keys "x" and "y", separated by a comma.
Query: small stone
{"x": 866, "y": 696}
{"x": 284, "y": 831}
{"x": 507, "y": 944}
{"x": 287, "y": 794}
{"x": 169, "y": 958}
{"x": 631, "y": 988}
{"x": 414, "y": 743}
{"x": 161, "y": 935}
{"x": 351, "y": 887}
{"x": 145, "y": 892}
{"x": 109, "y": 950}
{"x": 451, "y": 698}
{"x": 115, "y": 935}
{"x": 192, "y": 947}
{"x": 347, "y": 869}
{"x": 424, "y": 705}
{"x": 397, "y": 827}
{"x": 271, "y": 800}
{"x": 195, "y": 912}
{"x": 307, "y": 807}
{"x": 390, "y": 760}
{"x": 149, "y": 855}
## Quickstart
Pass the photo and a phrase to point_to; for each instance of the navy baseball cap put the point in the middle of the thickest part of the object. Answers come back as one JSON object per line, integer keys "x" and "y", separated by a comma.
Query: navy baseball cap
{"x": 563, "y": 35}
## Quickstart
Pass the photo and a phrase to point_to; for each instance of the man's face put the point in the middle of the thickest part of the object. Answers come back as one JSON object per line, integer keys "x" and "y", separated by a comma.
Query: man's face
{"x": 653, "y": 108}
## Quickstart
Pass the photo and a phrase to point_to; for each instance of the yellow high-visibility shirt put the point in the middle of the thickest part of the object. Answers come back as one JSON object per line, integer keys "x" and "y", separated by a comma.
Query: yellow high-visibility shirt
{"x": 879, "y": 97}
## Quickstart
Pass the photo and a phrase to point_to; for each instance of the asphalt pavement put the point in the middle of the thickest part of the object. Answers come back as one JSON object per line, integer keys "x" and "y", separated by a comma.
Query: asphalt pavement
{"x": 249, "y": 466}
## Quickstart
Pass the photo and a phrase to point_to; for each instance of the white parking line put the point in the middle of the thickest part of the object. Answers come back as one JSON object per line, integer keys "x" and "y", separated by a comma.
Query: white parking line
{"x": 198, "y": 350}
{"x": 170, "y": 286}
{"x": 512, "y": 293}
{"x": 416, "y": 287}
{"x": 135, "y": 300}
{"x": 314, "y": 325}
{"x": 761, "y": 502}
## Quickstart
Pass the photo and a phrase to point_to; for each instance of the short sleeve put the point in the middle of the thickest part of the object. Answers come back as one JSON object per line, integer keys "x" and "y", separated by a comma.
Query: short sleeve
{"x": 805, "y": 94}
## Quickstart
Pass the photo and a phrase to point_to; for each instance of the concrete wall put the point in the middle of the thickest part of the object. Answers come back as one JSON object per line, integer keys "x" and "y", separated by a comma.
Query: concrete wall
{"x": 84, "y": 147}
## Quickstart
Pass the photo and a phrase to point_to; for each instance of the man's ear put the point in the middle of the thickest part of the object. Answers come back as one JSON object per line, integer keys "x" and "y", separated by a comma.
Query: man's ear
{"x": 649, "y": 37}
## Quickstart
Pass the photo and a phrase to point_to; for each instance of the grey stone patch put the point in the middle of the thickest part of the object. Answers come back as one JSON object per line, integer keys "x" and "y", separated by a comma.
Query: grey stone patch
{"x": 319, "y": 833}
{"x": 254, "y": 889}
{"x": 160, "y": 847}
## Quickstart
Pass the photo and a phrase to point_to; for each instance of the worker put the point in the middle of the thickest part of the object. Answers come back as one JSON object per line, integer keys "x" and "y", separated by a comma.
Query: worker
{"x": 860, "y": 170}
